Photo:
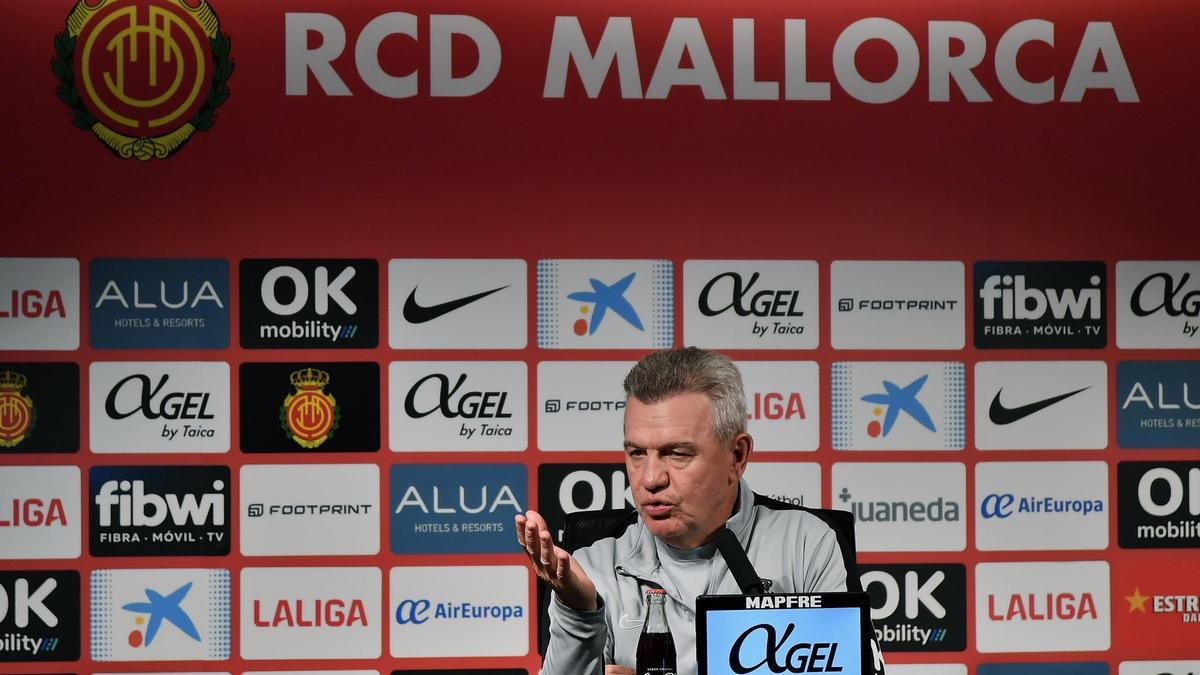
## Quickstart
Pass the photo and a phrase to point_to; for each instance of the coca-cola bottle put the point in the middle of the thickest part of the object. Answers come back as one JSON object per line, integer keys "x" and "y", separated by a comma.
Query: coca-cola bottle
{"x": 656, "y": 647}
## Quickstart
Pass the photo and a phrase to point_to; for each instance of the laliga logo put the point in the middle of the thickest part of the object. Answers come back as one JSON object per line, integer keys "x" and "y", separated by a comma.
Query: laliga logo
{"x": 142, "y": 75}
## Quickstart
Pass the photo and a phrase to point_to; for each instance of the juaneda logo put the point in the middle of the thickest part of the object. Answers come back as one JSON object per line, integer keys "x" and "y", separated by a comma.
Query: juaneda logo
{"x": 299, "y": 407}
{"x": 159, "y": 407}
{"x": 902, "y": 506}
{"x": 751, "y": 304}
{"x": 311, "y": 612}
{"x": 309, "y": 304}
{"x": 1158, "y": 305}
{"x": 1041, "y": 405}
{"x": 899, "y": 406}
{"x": 464, "y": 405}
{"x": 1041, "y": 506}
{"x": 159, "y": 510}
{"x": 309, "y": 509}
{"x": 457, "y": 304}
{"x": 581, "y": 404}
{"x": 39, "y": 407}
{"x": 1040, "y": 305}
{"x": 1158, "y": 504}
{"x": 1040, "y": 607}
{"x": 39, "y": 303}
{"x": 1158, "y": 404}
{"x": 431, "y": 608}
{"x": 144, "y": 108}
{"x": 39, "y": 512}
{"x": 39, "y": 616}
{"x": 456, "y": 508}
{"x": 160, "y": 615}
{"x": 605, "y": 304}
{"x": 159, "y": 304}
{"x": 783, "y": 406}
{"x": 891, "y": 304}
{"x": 918, "y": 608}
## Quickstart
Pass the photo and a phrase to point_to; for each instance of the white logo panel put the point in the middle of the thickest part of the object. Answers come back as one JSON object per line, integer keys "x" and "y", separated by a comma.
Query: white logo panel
{"x": 457, "y": 304}
{"x": 581, "y": 404}
{"x": 1041, "y": 506}
{"x": 751, "y": 304}
{"x": 141, "y": 407}
{"x": 1041, "y": 405}
{"x": 797, "y": 483}
{"x": 1158, "y": 304}
{"x": 39, "y": 512}
{"x": 897, "y": 304}
{"x": 605, "y": 304}
{"x": 1159, "y": 667}
{"x": 1042, "y": 607}
{"x": 458, "y": 405}
{"x": 311, "y": 612}
{"x": 39, "y": 303}
{"x": 904, "y": 506}
{"x": 309, "y": 509}
{"x": 880, "y": 405}
{"x": 160, "y": 615}
{"x": 433, "y": 610}
{"x": 783, "y": 404}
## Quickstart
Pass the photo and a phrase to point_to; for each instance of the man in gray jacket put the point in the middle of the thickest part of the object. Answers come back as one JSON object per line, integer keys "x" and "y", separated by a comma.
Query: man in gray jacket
{"x": 686, "y": 448}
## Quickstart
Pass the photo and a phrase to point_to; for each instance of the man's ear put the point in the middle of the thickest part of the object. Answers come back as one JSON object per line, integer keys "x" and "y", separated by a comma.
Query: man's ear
{"x": 742, "y": 445}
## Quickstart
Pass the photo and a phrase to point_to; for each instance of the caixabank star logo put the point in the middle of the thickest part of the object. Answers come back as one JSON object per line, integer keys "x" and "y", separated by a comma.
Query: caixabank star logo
{"x": 142, "y": 75}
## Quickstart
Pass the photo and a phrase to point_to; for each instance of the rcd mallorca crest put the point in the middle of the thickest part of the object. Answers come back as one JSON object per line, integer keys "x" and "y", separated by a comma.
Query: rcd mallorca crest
{"x": 142, "y": 75}
{"x": 17, "y": 414}
{"x": 310, "y": 416}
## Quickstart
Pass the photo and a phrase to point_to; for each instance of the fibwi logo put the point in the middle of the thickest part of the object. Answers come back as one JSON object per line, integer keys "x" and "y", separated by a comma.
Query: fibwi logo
{"x": 309, "y": 415}
{"x": 142, "y": 75}
{"x": 160, "y": 615}
{"x": 17, "y": 413}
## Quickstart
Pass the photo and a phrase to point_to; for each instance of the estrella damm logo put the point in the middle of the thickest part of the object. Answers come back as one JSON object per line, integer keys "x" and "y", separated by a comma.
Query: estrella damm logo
{"x": 309, "y": 416}
{"x": 17, "y": 414}
{"x": 142, "y": 75}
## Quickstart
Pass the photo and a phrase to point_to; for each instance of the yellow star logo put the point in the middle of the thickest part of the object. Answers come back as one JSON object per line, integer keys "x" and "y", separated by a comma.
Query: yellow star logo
{"x": 1137, "y": 601}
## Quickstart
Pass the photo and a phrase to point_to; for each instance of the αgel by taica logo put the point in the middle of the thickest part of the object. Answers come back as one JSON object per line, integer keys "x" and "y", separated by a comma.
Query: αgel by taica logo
{"x": 142, "y": 75}
{"x": 918, "y": 608}
{"x": 309, "y": 304}
{"x": 159, "y": 510}
{"x": 39, "y": 616}
{"x": 1040, "y": 305}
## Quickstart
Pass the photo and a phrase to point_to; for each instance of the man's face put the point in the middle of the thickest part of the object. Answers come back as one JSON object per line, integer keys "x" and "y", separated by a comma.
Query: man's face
{"x": 684, "y": 480}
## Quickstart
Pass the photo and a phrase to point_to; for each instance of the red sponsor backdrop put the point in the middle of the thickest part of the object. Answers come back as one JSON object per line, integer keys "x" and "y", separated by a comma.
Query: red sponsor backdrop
{"x": 509, "y": 173}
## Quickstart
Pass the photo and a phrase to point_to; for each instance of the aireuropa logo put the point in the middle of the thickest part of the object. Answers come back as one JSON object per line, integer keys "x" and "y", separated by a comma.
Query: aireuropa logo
{"x": 159, "y": 510}
{"x": 903, "y": 506}
{"x": 39, "y": 615}
{"x": 880, "y": 405}
{"x": 571, "y": 488}
{"x": 309, "y": 509}
{"x": 1041, "y": 405}
{"x": 783, "y": 404}
{"x": 311, "y": 612}
{"x": 432, "y": 608}
{"x": 142, "y": 110}
{"x": 39, "y": 303}
{"x": 309, "y": 304}
{"x": 1158, "y": 404}
{"x": 796, "y": 483}
{"x": 918, "y": 608}
{"x": 581, "y": 404}
{"x": 158, "y": 303}
{"x": 751, "y": 304}
{"x": 159, "y": 407}
{"x": 1158, "y": 504}
{"x": 457, "y": 304}
{"x": 1040, "y": 506}
{"x": 1159, "y": 667}
{"x": 39, "y": 512}
{"x": 1042, "y": 607}
{"x": 890, "y": 304}
{"x": 1091, "y": 668}
{"x": 1039, "y": 305}
{"x": 605, "y": 304}
{"x": 1158, "y": 304}
{"x": 458, "y": 405}
{"x": 309, "y": 406}
{"x": 456, "y": 508}
{"x": 160, "y": 615}
{"x": 39, "y": 407}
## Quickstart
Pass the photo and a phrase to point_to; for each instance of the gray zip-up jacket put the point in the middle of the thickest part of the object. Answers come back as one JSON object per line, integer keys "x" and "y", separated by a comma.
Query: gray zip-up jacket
{"x": 793, "y": 549}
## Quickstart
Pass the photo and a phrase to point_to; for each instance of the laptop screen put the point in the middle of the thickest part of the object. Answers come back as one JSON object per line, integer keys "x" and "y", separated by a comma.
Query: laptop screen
{"x": 784, "y": 633}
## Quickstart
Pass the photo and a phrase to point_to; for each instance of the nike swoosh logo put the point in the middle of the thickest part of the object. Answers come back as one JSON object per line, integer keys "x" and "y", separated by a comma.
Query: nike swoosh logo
{"x": 630, "y": 624}
{"x": 999, "y": 414}
{"x": 414, "y": 312}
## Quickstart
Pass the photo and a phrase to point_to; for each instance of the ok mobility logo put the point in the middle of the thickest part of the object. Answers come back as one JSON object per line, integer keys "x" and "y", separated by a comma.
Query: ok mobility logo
{"x": 142, "y": 75}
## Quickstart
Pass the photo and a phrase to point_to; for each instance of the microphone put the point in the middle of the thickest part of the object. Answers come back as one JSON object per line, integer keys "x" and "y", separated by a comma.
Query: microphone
{"x": 738, "y": 562}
